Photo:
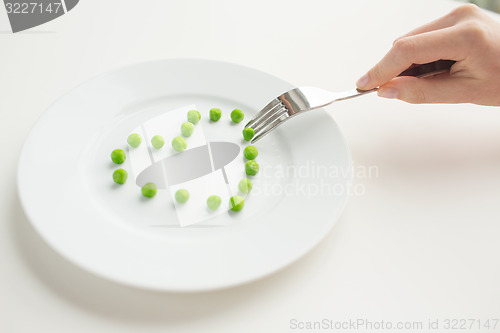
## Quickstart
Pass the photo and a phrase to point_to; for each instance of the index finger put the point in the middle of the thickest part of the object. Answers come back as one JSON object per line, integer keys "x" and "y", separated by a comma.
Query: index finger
{"x": 419, "y": 49}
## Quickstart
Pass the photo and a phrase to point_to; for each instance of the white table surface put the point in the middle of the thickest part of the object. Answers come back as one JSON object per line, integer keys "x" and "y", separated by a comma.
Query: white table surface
{"x": 422, "y": 243}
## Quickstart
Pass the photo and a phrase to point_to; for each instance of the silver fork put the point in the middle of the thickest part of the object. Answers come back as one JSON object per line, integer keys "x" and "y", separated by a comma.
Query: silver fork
{"x": 300, "y": 100}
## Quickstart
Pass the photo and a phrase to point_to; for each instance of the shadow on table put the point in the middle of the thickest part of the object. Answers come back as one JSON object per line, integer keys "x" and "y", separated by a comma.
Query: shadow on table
{"x": 127, "y": 304}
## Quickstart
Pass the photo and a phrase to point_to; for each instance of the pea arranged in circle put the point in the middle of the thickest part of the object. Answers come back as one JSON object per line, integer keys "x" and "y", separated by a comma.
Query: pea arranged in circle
{"x": 157, "y": 141}
{"x": 134, "y": 140}
{"x": 236, "y": 203}
{"x": 251, "y": 168}
{"x": 149, "y": 190}
{"x": 245, "y": 185}
{"x": 187, "y": 129}
{"x": 248, "y": 134}
{"x": 118, "y": 156}
{"x": 250, "y": 152}
{"x": 215, "y": 114}
{"x": 193, "y": 116}
{"x": 179, "y": 143}
{"x": 213, "y": 202}
{"x": 120, "y": 176}
{"x": 182, "y": 196}
{"x": 237, "y": 115}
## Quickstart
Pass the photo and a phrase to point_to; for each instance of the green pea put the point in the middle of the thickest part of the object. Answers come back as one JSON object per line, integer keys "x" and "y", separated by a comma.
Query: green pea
{"x": 250, "y": 152}
{"x": 213, "y": 202}
{"x": 187, "y": 129}
{"x": 157, "y": 141}
{"x": 251, "y": 168}
{"x": 182, "y": 195}
{"x": 118, "y": 156}
{"x": 120, "y": 176}
{"x": 149, "y": 190}
{"x": 237, "y": 115}
{"x": 245, "y": 185}
{"x": 193, "y": 117}
{"x": 248, "y": 133}
{"x": 236, "y": 203}
{"x": 215, "y": 114}
{"x": 179, "y": 143}
{"x": 134, "y": 140}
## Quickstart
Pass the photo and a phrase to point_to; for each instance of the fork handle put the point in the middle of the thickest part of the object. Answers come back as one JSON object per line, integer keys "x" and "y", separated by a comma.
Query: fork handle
{"x": 431, "y": 68}
{"x": 420, "y": 71}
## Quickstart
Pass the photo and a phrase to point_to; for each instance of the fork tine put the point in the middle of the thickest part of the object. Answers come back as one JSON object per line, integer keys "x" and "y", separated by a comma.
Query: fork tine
{"x": 268, "y": 119}
{"x": 264, "y": 131}
{"x": 269, "y": 107}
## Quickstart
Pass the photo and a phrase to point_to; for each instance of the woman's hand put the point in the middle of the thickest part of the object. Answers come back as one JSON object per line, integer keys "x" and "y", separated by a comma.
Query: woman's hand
{"x": 468, "y": 36}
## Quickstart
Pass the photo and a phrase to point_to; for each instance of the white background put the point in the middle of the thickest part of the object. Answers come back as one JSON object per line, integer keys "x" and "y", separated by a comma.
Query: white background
{"x": 423, "y": 242}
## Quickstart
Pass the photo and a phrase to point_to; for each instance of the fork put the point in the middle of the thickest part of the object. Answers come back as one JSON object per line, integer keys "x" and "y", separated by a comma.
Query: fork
{"x": 300, "y": 100}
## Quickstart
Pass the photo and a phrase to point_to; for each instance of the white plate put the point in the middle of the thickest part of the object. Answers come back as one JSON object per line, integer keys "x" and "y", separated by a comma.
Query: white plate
{"x": 65, "y": 186}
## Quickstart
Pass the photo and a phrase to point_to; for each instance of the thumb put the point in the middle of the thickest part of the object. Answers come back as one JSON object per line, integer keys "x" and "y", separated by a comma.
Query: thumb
{"x": 438, "y": 89}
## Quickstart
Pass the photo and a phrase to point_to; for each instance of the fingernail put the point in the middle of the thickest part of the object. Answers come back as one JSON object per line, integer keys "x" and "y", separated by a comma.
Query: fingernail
{"x": 388, "y": 92}
{"x": 363, "y": 81}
